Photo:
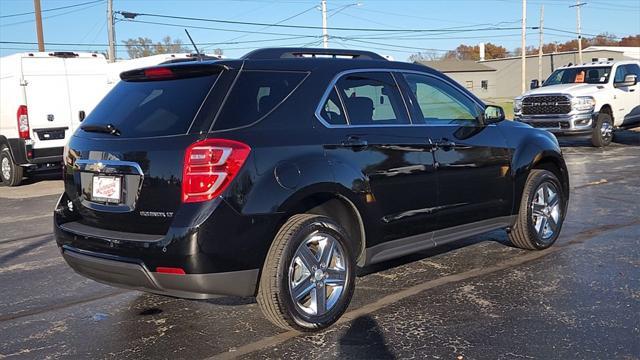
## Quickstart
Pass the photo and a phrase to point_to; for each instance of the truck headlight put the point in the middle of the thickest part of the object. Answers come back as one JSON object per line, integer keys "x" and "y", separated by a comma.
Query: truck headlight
{"x": 517, "y": 106}
{"x": 583, "y": 103}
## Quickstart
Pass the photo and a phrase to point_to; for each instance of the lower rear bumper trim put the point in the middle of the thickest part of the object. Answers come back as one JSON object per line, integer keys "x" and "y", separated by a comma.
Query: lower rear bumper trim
{"x": 137, "y": 276}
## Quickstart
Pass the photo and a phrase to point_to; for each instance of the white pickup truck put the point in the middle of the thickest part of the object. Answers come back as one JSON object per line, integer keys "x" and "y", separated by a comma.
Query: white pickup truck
{"x": 586, "y": 99}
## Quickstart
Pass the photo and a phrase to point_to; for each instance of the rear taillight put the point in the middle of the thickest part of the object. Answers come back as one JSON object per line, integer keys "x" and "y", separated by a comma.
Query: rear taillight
{"x": 23, "y": 122}
{"x": 210, "y": 166}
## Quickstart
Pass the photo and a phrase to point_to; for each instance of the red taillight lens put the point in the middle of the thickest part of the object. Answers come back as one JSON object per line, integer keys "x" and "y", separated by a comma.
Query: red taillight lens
{"x": 158, "y": 73}
{"x": 23, "y": 122}
{"x": 170, "y": 270}
{"x": 210, "y": 166}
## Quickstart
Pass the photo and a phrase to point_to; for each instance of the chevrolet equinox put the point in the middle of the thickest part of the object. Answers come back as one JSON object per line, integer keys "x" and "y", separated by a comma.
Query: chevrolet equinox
{"x": 277, "y": 175}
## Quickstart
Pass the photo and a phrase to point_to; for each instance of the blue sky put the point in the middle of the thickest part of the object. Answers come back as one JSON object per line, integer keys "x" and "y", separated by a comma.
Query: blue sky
{"x": 87, "y": 24}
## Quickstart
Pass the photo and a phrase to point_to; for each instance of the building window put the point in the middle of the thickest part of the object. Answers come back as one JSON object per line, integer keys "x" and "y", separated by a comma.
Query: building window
{"x": 484, "y": 84}
{"x": 469, "y": 84}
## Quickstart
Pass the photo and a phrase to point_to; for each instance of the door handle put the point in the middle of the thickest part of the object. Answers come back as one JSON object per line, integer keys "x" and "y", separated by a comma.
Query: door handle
{"x": 355, "y": 142}
{"x": 445, "y": 144}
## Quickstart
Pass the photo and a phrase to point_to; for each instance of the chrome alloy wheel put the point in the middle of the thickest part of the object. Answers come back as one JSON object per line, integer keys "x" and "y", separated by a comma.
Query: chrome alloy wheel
{"x": 546, "y": 211}
{"x": 317, "y": 274}
{"x": 6, "y": 169}
{"x": 606, "y": 130}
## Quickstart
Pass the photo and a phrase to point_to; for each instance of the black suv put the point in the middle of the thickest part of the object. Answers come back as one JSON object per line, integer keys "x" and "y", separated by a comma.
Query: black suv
{"x": 278, "y": 174}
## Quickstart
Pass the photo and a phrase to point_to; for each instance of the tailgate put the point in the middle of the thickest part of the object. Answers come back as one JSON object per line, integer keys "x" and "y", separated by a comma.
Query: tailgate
{"x": 130, "y": 186}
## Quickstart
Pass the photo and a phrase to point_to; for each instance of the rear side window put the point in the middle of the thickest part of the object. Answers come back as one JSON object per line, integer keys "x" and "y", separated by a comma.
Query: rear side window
{"x": 152, "y": 108}
{"x": 254, "y": 95}
{"x": 372, "y": 99}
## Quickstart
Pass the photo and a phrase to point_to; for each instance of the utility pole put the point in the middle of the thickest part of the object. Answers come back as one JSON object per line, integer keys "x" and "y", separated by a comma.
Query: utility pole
{"x": 38, "y": 12}
{"x": 111, "y": 30}
{"x": 524, "y": 46}
{"x": 325, "y": 34}
{"x": 578, "y": 5}
{"x": 541, "y": 43}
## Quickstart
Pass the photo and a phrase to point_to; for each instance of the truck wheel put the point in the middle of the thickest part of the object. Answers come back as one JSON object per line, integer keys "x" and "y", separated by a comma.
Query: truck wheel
{"x": 603, "y": 131}
{"x": 541, "y": 212}
{"x": 308, "y": 276}
{"x": 10, "y": 172}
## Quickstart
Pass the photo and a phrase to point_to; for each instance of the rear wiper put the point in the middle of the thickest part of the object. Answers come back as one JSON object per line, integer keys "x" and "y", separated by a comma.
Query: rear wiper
{"x": 107, "y": 129}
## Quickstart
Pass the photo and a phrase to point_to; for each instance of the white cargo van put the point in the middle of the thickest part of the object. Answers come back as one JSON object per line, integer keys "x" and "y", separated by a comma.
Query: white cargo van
{"x": 43, "y": 98}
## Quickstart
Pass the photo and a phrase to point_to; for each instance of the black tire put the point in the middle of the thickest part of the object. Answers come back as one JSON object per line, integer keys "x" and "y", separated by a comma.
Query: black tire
{"x": 15, "y": 174}
{"x": 602, "y": 133}
{"x": 274, "y": 296}
{"x": 524, "y": 233}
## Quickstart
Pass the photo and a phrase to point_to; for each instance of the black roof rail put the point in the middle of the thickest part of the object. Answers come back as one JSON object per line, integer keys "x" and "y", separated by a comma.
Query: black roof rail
{"x": 64, "y": 54}
{"x": 292, "y": 53}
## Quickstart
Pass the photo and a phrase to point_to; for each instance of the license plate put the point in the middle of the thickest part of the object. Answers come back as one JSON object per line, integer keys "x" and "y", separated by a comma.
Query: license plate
{"x": 107, "y": 189}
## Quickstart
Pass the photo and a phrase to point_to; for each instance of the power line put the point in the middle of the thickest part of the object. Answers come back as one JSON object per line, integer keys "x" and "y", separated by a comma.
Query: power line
{"x": 52, "y": 9}
{"x": 124, "y": 45}
{"x": 51, "y": 16}
{"x": 310, "y": 27}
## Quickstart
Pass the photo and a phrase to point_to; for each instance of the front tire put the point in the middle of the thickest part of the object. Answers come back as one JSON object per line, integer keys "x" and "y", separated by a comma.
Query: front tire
{"x": 541, "y": 212}
{"x": 308, "y": 276}
{"x": 602, "y": 133}
{"x": 10, "y": 173}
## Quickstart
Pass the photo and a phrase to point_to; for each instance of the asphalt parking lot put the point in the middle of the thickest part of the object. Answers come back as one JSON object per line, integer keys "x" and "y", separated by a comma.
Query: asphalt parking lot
{"x": 476, "y": 299}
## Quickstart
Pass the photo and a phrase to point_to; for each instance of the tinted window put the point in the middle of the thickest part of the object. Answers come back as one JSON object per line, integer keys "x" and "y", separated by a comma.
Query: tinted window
{"x": 633, "y": 69}
{"x": 256, "y": 94}
{"x": 372, "y": 99}
{"x": 624, "y": 70}
{"x": 332, "y": 111}
{"x": 440, "y": 102}
{"x": 152, "y": 108}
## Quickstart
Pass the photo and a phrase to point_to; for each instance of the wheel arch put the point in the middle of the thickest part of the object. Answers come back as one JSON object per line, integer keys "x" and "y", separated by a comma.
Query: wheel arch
{"x": 538, "y": 152}
{"x": 340, "y": 206}
{"x": 607, "y": 109}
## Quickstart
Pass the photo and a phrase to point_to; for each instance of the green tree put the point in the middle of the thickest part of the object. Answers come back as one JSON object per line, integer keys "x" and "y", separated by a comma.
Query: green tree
{"x": 144, "y": 46}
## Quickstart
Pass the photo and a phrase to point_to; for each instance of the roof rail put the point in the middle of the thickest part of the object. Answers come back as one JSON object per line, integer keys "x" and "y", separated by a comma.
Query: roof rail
{"x": 291, "y": 53}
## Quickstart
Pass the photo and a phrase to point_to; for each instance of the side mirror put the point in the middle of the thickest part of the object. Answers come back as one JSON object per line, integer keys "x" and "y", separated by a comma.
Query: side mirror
{"x": 493, "y": 114}
{"x": 534, "y": 84}
{"x": 629, "y": 80}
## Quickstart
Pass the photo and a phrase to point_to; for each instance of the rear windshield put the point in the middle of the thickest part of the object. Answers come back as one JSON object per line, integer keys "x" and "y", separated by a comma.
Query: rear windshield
{"x": 152, "y": 108}
{"x": 255, "y": 95}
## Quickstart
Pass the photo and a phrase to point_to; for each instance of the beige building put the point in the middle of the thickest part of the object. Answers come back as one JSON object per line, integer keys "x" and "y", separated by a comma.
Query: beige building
{"x": 500, "y": 78}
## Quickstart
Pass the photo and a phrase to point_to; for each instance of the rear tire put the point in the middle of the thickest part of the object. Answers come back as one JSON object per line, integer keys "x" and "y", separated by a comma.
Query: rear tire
{"x": 310, "y": 259}
{"x": 541, "y": 212}
{"x": 602, "y": 133}
{"x": 10, "y": 173}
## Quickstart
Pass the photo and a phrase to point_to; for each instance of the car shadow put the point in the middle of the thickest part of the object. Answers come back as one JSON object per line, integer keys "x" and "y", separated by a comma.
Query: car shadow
{"x": 620, "y": 137}
{"x": 364, "y": 339}
{"x": 37, "y": 177}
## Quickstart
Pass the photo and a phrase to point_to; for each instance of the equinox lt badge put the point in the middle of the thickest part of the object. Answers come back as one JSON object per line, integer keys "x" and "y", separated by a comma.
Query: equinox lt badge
{"x": 156, "y": 214}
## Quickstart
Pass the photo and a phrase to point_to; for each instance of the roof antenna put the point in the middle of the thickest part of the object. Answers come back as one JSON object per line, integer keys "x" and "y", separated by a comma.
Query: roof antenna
{"x": 194, "y": 45}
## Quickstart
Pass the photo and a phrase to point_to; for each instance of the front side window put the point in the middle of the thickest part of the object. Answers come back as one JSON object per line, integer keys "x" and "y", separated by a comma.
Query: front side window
{"x": 440, "y": 102}
{"x": 372, "y": 99}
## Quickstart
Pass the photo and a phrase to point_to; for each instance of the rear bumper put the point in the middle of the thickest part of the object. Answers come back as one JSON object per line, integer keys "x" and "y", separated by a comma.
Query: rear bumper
{"x": 569, "y": 124}
{"x": 23, "y": 153}
{"x": 220, "y": 251}
{"x": 132, "y": 274}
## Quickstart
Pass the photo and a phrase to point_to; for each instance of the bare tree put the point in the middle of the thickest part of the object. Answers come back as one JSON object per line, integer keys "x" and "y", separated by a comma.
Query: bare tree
{"x": 144, "y": 46}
